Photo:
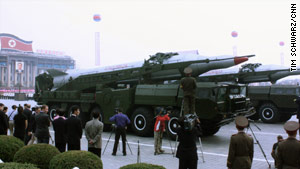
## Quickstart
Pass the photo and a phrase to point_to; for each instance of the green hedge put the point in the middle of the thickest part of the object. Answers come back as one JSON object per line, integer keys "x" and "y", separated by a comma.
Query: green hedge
{"x": 9, "y": 145}
{"x": 142, "y": 166}
{"x": 38, "y": 154}
{"x": 13, "y": 165}
{"x": 80, "y": 159}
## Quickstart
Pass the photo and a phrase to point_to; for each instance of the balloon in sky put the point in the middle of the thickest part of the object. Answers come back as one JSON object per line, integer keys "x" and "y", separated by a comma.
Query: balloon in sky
{"x": 281, "y": 43}
{"x": 234, "y": 34}
{"x": 97, "y": 18}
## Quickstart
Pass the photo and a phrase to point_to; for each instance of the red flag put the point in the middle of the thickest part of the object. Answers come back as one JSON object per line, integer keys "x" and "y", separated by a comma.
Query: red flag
{"x": 12, "y": 43}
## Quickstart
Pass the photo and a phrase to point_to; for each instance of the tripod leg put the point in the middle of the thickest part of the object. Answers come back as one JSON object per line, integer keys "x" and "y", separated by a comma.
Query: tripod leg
{"x": 200, "y": 142}
{"x": 175, "y": 146}
{"x": 129, "y": 147}
{"x": 171, "y": 146}
{"x": 107, "y": 143}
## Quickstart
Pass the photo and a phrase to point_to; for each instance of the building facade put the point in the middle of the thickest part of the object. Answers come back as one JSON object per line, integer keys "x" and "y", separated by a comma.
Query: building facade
{"x": 19, "y": 65}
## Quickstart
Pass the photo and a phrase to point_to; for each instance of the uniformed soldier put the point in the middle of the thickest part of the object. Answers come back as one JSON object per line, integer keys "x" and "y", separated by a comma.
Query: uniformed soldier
{"x": 240, "y": 153}
{"x": 288, "y": 152}
{"x": 188, "y": 85}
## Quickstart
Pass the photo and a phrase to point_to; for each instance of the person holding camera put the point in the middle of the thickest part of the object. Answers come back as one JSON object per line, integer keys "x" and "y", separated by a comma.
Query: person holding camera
{"x": 188, "y": 85}
{"x": 121, "y": 121}
{"x": 240, "y": 155}
{"x": 159, "y": 129}
{"x": 187, "y": 134}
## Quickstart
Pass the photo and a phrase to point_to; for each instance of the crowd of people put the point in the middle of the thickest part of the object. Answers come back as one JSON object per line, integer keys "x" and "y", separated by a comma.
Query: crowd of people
{"x": 33, "y": 124}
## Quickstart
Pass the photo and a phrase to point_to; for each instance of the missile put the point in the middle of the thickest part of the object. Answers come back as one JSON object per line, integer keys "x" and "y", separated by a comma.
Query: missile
{"x": 168, "y": 66}
{"x": 249, "y": 73}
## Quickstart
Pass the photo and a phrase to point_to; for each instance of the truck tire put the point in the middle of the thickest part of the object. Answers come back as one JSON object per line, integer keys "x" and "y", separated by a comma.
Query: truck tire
{"x": 172, "y": 125}
{"x": 254, "y": 116}
{"x": 285, "y": 117}
{"x": 210, "y": 131}
{"x": 52, "y": 111}
{"x": 142, "y": 122}
{"x": 268, "y": 113}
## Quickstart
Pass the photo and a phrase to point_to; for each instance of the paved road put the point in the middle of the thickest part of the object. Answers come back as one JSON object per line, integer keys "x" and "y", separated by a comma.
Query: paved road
{"x": 215, "y": 148}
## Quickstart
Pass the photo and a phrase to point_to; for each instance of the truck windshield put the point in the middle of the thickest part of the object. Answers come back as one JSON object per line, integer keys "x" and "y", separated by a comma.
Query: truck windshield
{"x": 221, "y": 94}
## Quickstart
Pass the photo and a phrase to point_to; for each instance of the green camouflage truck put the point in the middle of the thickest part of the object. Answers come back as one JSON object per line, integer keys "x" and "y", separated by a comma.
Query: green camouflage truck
{"x": 138, "y": 90}
{"x": 274, "y": 103}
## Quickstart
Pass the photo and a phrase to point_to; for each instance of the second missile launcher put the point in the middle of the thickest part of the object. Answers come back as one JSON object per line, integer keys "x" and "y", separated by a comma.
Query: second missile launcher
{"x": 138, "y": 90}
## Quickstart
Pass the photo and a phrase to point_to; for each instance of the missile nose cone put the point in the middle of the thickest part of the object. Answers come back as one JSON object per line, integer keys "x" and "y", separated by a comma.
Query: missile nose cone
{"x": 240, "y": 60}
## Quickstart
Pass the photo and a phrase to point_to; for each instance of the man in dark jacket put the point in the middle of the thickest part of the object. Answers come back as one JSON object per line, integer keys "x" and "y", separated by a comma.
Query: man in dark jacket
{"x": 59, "y": 126}
{"x": 27, "y": 113}
{"x": 3, "y": 121}
{"x": 187, "y": 149}
{"x": 188, "y": 85}
{"x": 42, "y": 125}
{"x": 32, "y": 127}
{"x": 74, "y": 129}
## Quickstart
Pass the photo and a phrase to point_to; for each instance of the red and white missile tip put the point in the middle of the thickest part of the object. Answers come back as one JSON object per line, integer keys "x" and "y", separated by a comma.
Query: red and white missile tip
{"x": 240, "y": 60}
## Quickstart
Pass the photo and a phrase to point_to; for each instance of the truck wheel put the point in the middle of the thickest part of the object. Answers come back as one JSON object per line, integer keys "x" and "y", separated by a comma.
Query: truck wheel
{"x": 52, "y": 112}
{"x": 268, "y": 113}
{"x": 142, "y": 122}
{"x": 254, "y": 116}
{"x": 285, "y": 117}
{"x": 172, "y": 125}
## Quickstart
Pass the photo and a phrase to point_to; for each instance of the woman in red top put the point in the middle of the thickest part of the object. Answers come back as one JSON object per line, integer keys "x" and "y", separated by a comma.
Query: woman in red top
{"x": 159, "y": 129}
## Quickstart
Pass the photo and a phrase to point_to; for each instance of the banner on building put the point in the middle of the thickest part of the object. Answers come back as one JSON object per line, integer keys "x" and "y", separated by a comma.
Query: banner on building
{"x": 12, "y": 43}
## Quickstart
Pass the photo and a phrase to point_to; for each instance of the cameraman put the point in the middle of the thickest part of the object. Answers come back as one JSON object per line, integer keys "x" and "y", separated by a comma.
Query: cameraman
{"x": 159, "y": 129}
{"x": 187, "y": 134}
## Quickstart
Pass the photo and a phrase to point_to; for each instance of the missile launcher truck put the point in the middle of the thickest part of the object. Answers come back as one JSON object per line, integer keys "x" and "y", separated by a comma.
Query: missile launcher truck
{"x": 138, "y": 93}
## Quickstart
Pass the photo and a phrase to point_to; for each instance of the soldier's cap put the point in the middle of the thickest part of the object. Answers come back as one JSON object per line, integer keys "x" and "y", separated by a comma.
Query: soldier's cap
{"x": 188, "y": 70}
{"x": 241, "y": 121}
{"x": 291, "y": 126}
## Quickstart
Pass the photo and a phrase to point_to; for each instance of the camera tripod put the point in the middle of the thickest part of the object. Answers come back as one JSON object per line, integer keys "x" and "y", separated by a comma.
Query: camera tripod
{"x": 112, "y": 131}
{"x": 257, "y": 142}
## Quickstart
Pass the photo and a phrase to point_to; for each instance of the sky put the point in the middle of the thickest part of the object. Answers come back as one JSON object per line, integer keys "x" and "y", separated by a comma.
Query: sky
{"x": 131, "y": 30}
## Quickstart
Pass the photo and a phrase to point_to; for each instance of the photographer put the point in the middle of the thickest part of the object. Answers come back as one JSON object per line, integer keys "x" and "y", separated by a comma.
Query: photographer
{"x": 159, "y": 129}
{"x": 121, "y": 121}
{"x": 187, "y": 135}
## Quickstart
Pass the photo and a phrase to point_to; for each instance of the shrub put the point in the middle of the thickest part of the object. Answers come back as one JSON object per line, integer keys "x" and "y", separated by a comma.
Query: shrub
{"x": 13, "y": 165}
{"x": 38, "y": 154}
{"x": 71, "y": 159}
{"x": 9, "y": 145}
{"x": 142, "y": 166}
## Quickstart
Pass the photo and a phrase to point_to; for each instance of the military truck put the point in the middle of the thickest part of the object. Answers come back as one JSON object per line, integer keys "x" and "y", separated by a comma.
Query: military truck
{"x": 274, "y": 103}
{"x": 139, "y": 90}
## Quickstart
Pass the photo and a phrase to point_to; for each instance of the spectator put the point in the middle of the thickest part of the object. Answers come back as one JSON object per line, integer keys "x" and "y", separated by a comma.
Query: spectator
{"x": 59, "y": 125}
{"x": 187, "y": 149}
{"x": 93, "y": 133}
{"x": 11, "y": 116}
{"x": 274, "y": 149}
{"x": 240, "y": 155}
{"x": 3, "y": 121}
{"x": 159, "y": 129}
{"x": 20, "y": 123}
{"x": 121, "y": 121}
{"x": 188, "y": 85}
{"x": 288, "y": 151}
{"x": 297, "y": 101}
{"x": 74, "y": 130}
{"x": 32, "y": 127}
{"x": 27, "y": 112}
{"x": 42, "y": 125}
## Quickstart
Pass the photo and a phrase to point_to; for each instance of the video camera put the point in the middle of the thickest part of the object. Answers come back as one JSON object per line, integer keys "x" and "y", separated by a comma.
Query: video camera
{"x": 189, "y": 122}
